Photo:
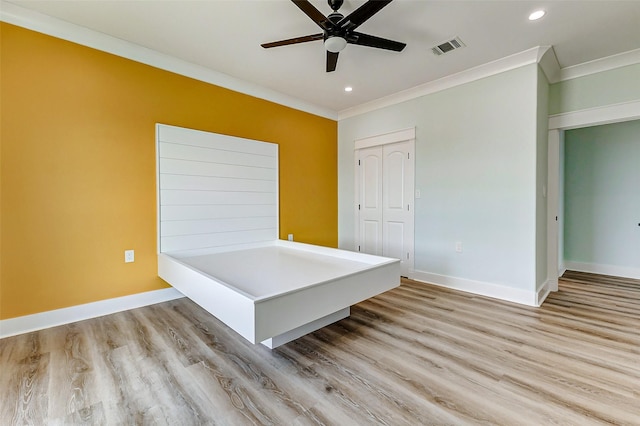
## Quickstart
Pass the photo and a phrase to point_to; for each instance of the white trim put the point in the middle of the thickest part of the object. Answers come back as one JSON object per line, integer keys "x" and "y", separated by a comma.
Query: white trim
{"x": 553, "y": 206}
{"x": 550, "y": 65}
{"x": 615, "y": 113}
{"x": 620, "y": 60}
{"x": 544, "y": 291}
{"x": 44, "y": 24}
{"x": 594, "y": 268}
{"x": 42, "y": 320}
{"x": 530, "y": 56}
{"x": 386, "y": 138}
{"x": 523, "y": 297}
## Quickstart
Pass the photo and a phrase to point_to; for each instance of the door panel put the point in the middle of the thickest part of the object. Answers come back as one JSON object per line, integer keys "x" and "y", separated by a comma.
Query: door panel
{"x": 370, "y": 200}
{"x": 371, "y": 237}
{"x": 394, "y": 242}
{"x": 371, "y": 168}
{"x": 394, "y": 178}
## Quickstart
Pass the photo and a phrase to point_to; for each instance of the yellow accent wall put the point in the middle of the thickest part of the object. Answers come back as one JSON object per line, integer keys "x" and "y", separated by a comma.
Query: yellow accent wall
{"x": 77, "y": 168}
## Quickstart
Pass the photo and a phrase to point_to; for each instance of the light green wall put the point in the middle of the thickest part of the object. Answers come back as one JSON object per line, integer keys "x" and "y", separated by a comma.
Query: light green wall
{"x": 602, "y": 195}
{"x": 595, "y": 90}
{"x": 476, "y": 166}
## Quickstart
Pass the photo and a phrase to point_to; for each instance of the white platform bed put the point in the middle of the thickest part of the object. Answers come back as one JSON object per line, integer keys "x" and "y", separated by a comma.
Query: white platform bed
{"x": 281, "y": 290}
{"x": 217, "y": 239}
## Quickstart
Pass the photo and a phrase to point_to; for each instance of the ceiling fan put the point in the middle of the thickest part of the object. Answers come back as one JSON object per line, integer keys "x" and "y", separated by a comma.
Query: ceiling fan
{"x": 339, "y": 30}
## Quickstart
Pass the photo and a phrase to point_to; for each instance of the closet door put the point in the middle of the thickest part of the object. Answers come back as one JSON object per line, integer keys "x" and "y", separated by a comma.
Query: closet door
{"x": 385, "y": 202}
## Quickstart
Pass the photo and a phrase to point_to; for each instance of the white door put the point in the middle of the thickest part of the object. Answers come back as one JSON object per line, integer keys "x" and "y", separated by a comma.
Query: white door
{"x": 370, "y": 200}
{"x": 397, "y": 201}
{"x": 385, "y": 202}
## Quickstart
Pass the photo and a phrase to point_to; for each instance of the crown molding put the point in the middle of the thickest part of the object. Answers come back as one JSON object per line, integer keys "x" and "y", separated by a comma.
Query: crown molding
{"x": 35, "y": 21}
{"x": 527, "y": 57}
{"x": 620, "y": 60}
{"x": 544, "y": 55}
{"x": 549, "y": 64}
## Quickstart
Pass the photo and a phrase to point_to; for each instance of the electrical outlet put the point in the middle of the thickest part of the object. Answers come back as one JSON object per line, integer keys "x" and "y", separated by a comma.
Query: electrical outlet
{"x": 458, "y": 247}
{"x": 290, "y": 237}
{"x": 129, "y": 256}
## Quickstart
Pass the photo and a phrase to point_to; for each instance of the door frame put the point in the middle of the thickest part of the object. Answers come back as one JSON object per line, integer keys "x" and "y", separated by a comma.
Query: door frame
{"x": 404, "y": 135}
{"x": 558, "y": 124}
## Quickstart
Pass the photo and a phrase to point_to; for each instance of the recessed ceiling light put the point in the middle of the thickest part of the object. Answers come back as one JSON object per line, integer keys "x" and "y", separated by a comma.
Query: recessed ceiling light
{"x": 348, "y": 89}
{"x": 537, "y": 15}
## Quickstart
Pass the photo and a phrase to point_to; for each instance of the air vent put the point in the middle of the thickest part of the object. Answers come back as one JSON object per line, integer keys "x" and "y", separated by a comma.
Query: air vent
{"x": 447, "y": 46}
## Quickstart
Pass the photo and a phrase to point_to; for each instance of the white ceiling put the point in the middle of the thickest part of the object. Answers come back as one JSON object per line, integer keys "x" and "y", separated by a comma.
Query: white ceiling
{"x": 225, "y": 36}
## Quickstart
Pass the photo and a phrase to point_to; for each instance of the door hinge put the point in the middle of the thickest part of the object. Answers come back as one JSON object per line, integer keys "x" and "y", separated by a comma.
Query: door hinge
{"x": 358, "y": 248}
{"x": 358, "y": 162}
{"x": 407, "y": 207}
{"x": 358, "y": 206}
{"x": 408, "y": 156}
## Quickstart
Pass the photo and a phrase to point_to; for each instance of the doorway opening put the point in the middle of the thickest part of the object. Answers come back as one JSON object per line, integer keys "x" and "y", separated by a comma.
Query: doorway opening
{"x": 558, "y": 124}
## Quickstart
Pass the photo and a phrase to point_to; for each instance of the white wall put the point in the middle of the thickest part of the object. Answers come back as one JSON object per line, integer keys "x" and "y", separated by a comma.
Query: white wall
{"x": 476, "y": 166}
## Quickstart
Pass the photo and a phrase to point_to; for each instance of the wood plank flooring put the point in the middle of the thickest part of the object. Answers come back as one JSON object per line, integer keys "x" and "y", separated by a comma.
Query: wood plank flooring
{"x": 419, "y": 354}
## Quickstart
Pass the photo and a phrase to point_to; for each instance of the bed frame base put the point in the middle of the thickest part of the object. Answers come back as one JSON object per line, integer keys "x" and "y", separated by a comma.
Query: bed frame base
{"x": 312, "y": 326}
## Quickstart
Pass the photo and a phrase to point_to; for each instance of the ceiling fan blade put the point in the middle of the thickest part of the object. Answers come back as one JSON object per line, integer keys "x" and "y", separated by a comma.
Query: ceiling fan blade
{"x": 313, "y": 13}
{"x": 294, "y": 40}
{"x": 361, "y": 14}
{"x": 373, "y": 41}
{"x": 332, "y": 61}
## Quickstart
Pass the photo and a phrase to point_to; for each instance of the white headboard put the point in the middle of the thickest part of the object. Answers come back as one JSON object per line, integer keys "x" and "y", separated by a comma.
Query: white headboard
{"x": 215, "y": 192}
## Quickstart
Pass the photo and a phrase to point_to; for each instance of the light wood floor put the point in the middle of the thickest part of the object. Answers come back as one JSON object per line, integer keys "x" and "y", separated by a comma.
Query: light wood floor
{"x": 416, "y": 355}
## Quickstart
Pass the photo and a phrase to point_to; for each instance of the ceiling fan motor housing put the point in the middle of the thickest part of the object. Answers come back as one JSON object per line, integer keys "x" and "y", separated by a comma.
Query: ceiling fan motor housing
{"x": 335, "y": 18}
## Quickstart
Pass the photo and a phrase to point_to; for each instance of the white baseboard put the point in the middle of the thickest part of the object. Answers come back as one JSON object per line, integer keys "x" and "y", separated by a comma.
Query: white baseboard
{"x": 523, "y": 297}
{"x": 543, "y": 292}
{"x": 28, "y": 323}
{"x": 594, "y": 268}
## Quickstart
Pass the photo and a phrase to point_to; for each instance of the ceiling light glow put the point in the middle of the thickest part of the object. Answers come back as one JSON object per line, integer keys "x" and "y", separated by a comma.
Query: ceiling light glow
{"x": 537, "y": 15}
{"x": 348, "y": 89}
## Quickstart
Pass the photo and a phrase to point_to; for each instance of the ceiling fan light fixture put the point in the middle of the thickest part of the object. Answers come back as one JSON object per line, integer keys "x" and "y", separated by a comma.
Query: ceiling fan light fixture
{"x": 335, "y": 44}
